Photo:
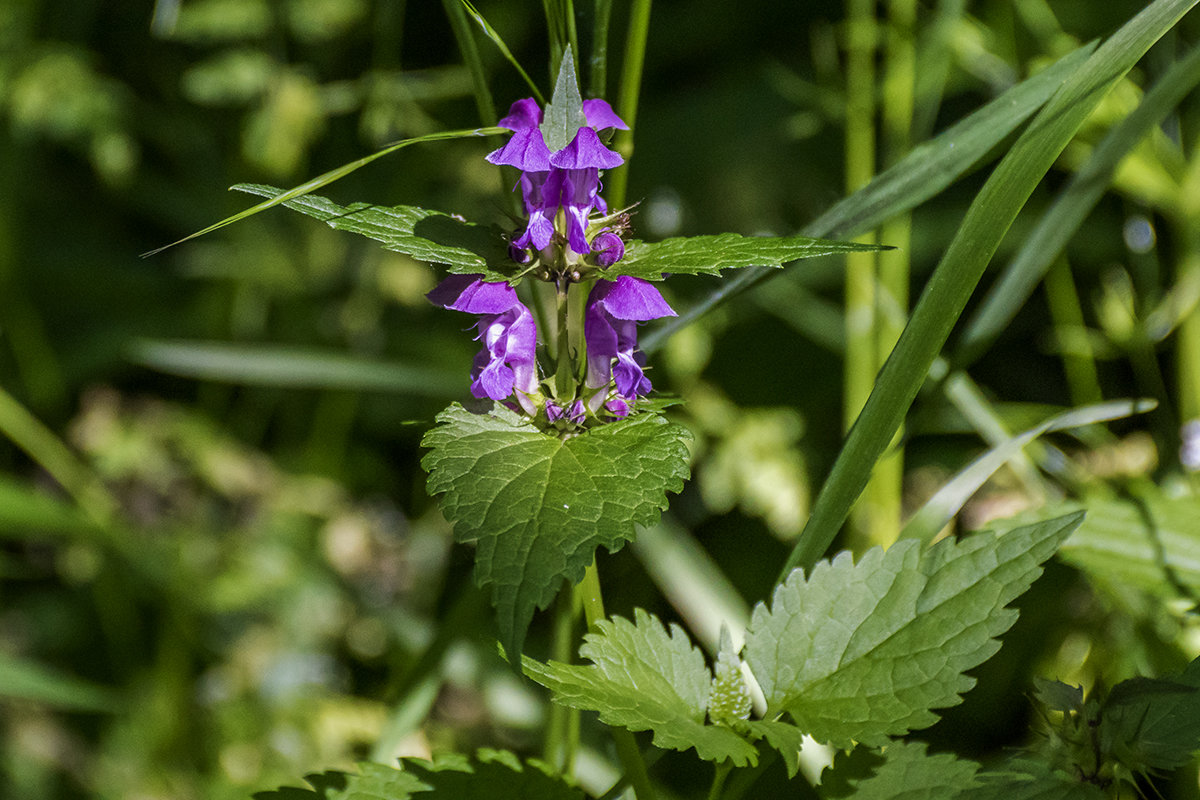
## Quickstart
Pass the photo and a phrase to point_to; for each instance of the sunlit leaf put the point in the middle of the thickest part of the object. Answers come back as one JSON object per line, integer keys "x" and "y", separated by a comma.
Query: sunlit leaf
{"x": 862, "y": 652}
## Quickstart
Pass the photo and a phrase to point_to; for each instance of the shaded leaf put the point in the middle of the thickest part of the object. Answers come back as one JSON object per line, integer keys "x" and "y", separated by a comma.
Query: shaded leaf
{"x": 490, "y": 775}
{"x": 861, "y": 652}
{"x": 909, "y": 773}
{"x": 1030, "y": 780}
{"x": 538, "y": 506}
{"x": 1151, "y": 724}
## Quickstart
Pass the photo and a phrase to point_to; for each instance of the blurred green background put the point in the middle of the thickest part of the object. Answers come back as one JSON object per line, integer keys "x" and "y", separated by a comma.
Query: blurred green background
{"x": 219, "y": 568}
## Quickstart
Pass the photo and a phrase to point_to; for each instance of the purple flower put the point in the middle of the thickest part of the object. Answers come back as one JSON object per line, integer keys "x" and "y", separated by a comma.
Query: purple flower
{"x": 568, "y": 178}
{"x": 507, "y": 362}
{"x": 614, "y": 308}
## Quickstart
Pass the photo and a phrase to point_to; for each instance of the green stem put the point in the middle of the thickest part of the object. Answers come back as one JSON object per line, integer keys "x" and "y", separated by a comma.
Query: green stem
{"x": 598, "y": 82}
{"x": 627, "y": 102}
{"x": 564, "y": 375}
{"x": 719, "y": 776}
{"x": 1066, "y": 313}
{"x": 554, "y": 749}
{"x": 885, "y": 492}
{"x": 862, "y": 362}
{"x": 627, "y": 749}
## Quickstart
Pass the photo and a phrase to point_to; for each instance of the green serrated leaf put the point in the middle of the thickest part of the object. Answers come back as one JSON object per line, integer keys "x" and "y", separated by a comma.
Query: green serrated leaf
{"x": 490, "y": 775}
{"x": 1150, "y": 724}
{"x": 563, "y": 116}
{"x": 539, "y": 506}
{"x": 708, "y": 255}
{"x": 783, "y": 736}
{"x": 1058, "y": 696}
{"x": 432, "y": 236}
{"x": 861, "y": 652}
{"x": 372, "y": 782}
{"x": 909, "y": 773}
{"x": 1148, "y": 542}
{"x": 1030, "y": 780}
{"x": 643, "y": 677}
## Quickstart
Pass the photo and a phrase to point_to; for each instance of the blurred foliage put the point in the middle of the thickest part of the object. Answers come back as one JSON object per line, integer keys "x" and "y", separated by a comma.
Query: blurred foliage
{"x": 271, "y": 591}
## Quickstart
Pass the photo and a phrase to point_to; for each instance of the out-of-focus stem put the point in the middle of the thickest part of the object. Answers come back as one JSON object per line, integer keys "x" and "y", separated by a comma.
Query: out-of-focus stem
{"x": 627, "y": 101}
{"x": 885, "y": 492}
{"x": 598, "y": 80}
{"x": 627, "y": 749}
{"x": 861, "y": 360}
{"x": 1066, "y": 312}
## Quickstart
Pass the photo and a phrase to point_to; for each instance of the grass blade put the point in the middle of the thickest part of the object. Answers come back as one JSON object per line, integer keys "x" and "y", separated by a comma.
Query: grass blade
{"x": 1057, "y": 226}
{"x": 490, "y": 32}
{"x": 261, "y": 365}
{"x": 959, "y": 271}
{"x": 327, "y": 178}
{"x": 949, "y": 500}
{"x": 928, "y": 169}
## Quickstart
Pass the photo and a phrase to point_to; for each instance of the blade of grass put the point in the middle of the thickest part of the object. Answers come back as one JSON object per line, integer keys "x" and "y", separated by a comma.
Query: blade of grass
{"x": 1057, "y": 225}
{"x": 949, "y": 500}
{"x": 959, "y": 271}
{"x": 928, "y": 169}
{"x": 457, "y": 14}
{"x": 490, "y": 32}
{"x": 261, "y": 365}
{"x": 327, "y": 178}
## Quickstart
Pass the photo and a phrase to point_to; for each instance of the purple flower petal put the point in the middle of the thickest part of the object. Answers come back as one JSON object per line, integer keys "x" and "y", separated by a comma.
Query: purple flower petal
{"x": 523, "y": 114}
{"x": 474, "y": 296}
{"x": 600, "y": 115}
{"x": 526, "y": 150}
{"x": 632, "y": 299}
{"x": 585, "y": 151}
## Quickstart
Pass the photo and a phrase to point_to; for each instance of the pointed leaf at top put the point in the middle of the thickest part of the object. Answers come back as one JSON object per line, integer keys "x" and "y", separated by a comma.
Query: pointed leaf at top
{"x": 862, "y": 652}
{"x": 644, "y": 678}
{"x": 708, "y": 255}
{"x": 431, "y": 236}
{"x": 564, "y": 113}
{"x": 538, "y": 506}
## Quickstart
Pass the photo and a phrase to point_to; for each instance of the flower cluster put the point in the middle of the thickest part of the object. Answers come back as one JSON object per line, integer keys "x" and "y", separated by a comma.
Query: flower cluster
{"x": 566, "y": 221}
{"x": 566, "y": 179}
